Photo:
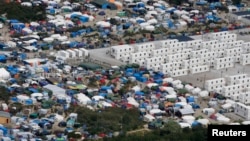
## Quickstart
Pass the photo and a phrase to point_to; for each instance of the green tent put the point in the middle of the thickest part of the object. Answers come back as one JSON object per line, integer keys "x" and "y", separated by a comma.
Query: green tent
{"x": 33, "y": 115}
{"x": 90, "y": 66}
{"x": 121, "y": 14}
{"x": 3, "y": 19}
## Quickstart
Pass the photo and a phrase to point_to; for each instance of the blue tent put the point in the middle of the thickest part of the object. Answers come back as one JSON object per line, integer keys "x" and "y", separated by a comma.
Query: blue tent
{"x": 28, "y": 102}
{"x": 106, "y": 88}
{"x": 201, "y": 2}
{"x": 195, "y": 123}
{"x": 14, "y": 99}
{"x": 140, "y": 5}
{"x": 13, "y": 21}
{"x": 195, "y": 106}
{"x": 84, "y": 19}
{"x": 139, "y": 93}
{"x": 5, "y": 130}
{"x": 190, "y": 99}
{"x": 170, "y": 23}
{"x": 103, "y": 94}
{"x": 101, "y": 13}
{"x": 3, "y": 59}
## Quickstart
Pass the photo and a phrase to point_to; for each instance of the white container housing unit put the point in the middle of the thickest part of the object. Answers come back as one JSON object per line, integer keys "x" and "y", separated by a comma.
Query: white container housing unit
{"x": 242, "y": 110}
{"x": 208, "y": 44}
{"x": 64, "y": 54}
{"x": 118, "y": 51}
{"x": 78, "y": 52}
{"x": 193, "y": 43}
{"x": 225, "y": 62}
{"x": 153, "y": 61}
{"x": 216, "y": 35}
{"x": 245, "y": 59}
{"x": 214, "y": 84}
{"x": 72, "y": 54}
{"x": 145, "y": 47}
{"x": 177, "y": 57}
{"x": 246, "y": 47}
{"x": 197, "y": 53}
{"x": 235, "y": 79}
{"x": 138, "y": 56}
{"x": 168, "y": 68}
{"x": 167, "y": 43}
{"x": 179, "y": 72}
{"x": 161, "y": 52}
{"x": 85, "y": 52}
{"x": 199, "y": 69}
{"x": 234, "y": 52}
{"x": 244, "y": 98}
{"x": 231, "y": 90}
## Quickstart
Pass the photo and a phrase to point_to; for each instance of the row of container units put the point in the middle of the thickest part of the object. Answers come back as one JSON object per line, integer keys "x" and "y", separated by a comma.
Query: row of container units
{"x": 245, "y": 59}
{"x": 235, "y": 79}
{"x": 244, "y": 97}
{"x": 223, "y": 65}
{"x": 179, "y": 72}
{"x": 215, "y": 35}
{"x": 199, "y": 69}
{"x": 230, "y": 90}
{"x": 73, "y": 53}
{"x": 214, "y": 84}
{"x": 246, "y": 47}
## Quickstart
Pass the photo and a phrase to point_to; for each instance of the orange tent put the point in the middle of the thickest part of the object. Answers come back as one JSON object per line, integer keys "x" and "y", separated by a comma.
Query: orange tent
{"x": 168, "y": 104}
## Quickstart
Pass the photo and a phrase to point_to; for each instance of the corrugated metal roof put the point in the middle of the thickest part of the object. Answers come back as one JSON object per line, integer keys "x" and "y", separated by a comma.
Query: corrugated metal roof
{"x": 4, "y": 114}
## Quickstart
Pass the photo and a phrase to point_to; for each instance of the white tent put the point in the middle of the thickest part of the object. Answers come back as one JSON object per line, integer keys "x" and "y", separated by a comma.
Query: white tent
{"x": 27, "y": 30}
{"x": 152, "y": 21}
{"x": 226, "y": 106}
{"x": 103, "y": 24}
{"x": 149, "y": 28}
{"x": 34, "y": 24}
{"x": 208, "y": 111}
{"x": 151, "y": 85}
{"x": 203, "y": 121}
{"x": 176, "y": 82}
{"x": 136, "y": 88}
{"x": 34, "y": 95}
{"x": 132, "y": 101}
{"x": 180, "y": 86}
{"x": 155, "y": 111}
{"x": 168, "y": 80}
{"x": 188, "y": 119}
{"x": 223, "y": 119}
{"x": 189, "y": 87}
{"x": 4, "y": 74}
{"x": 234, "y": 123}
{"x": 48, "y": 39}
{"x": 82, "y": 98}
{"x": 196, "y": 91}
{"x": 170, "y": 96}
{"x": 97, "y": 97}
{"x": 148, "y": 118}
{"x": 106, "y": 104}
{"x": 58, "y": 118}
{"x": 245, "y": 122}
{"x": 184, "y": 125}
{"x": 203, "y": 93}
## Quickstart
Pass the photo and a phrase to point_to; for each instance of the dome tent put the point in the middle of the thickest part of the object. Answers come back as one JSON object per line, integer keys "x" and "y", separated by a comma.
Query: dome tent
{"x": 4, "y": 74}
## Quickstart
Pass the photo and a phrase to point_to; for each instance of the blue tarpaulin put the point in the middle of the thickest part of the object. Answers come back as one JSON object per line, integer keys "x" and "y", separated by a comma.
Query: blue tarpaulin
{"x": 28, "y": 102}
{"x": 190, "y": 99}
{"x": 139, "y": 93}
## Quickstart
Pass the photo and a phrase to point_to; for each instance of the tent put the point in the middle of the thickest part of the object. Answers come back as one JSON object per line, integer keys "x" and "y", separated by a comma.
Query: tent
{"x": 101, "y": 13}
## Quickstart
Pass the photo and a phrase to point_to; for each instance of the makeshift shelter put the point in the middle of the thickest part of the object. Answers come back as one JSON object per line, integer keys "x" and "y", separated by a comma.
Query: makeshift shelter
{"x": 90, "y": 66}
{"x": 104, "y": 4}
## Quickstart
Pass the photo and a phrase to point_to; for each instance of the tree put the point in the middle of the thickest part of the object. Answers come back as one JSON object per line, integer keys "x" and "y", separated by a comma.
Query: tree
{"x": 23, "y": 13}
{"x": 5, "y": 95}
{"x": 236, "y": 2}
